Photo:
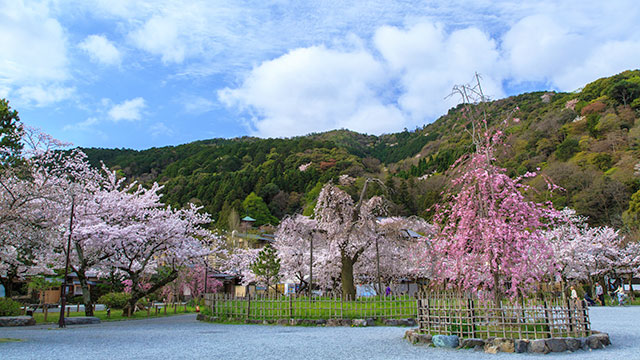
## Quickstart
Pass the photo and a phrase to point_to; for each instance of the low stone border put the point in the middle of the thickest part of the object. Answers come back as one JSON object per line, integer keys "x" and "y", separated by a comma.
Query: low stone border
{"x": 81, "y": 320}
{"x": 318, "y": 322}
{"x": 17, "y": 321}
{"x": 494, "y": 345}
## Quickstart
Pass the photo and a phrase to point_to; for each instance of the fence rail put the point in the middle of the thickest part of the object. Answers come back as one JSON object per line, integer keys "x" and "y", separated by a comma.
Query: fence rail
{"x": 528, "y": 319}
{"x": 274, "y": 307}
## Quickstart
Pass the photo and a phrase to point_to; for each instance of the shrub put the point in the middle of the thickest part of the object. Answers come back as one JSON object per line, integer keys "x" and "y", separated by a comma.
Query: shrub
{"x": 567, "y": 148}
{"x": 594, "y": 107}
{"x": 9, "y": 307}
{"x": 115, "y": 300}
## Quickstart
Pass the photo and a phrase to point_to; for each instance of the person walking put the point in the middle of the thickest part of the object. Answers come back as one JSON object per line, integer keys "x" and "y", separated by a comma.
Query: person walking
{"x": 621, "y": 295}
{"x": 600, "y": 294}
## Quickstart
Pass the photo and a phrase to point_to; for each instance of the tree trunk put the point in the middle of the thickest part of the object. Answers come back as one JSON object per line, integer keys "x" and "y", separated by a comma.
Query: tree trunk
{"x": 631, "y": 294}
{"x": 86, "y": 295}
{"x": 346, "y": 277}
{"x": 137, "y": 294}
{"x": 497, "y": 295}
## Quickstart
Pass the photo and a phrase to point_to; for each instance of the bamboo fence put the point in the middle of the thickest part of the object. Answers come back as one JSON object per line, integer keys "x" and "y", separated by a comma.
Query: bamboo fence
{"x": 274, "y": 307}
{"x": 449, "y": 314}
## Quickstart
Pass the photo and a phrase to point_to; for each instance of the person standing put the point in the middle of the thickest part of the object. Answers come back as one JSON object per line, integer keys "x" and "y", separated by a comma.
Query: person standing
{"x": 600, "y": 294}
{"x": 574, "y": 295}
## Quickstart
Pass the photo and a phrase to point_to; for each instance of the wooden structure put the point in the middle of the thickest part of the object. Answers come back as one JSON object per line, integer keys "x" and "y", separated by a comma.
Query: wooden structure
{"x": 468, "y": 317}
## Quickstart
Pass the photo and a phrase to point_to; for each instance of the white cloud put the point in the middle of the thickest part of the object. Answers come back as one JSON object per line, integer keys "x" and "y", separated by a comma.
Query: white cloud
{"x": 160, "y": 129}
{"x": 34, "y": 52}
{"x": 101, "y": 50}
{"x": 428, "y": 62}
{"x": 319, "y": 88}
{"x": 315, "y": 89}
{"x": 83, "y": 125}
{"x": 196, "y": 105}
{"x": 128, "y": 110}
{"x": 44, "y": 95}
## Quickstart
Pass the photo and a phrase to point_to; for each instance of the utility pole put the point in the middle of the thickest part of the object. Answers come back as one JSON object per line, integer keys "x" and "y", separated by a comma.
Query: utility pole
{"x": 378, "y": 268}
{"x": 311, "y": 266}
{"x": 63, "y": 294}
{"x": 206, "y": 275}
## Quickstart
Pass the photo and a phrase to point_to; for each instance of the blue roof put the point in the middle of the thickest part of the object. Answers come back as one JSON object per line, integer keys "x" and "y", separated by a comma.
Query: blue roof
{"x": 248, "y": 218}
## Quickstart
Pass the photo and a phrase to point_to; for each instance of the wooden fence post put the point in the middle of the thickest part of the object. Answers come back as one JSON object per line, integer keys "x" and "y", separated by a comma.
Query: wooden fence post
{"x": 547, "y": 319}
{"x": 570, "y": 319}
{"x": 472, "y": 314}
{"x": 291, "y": 306}
{"x": 248, "y": 305}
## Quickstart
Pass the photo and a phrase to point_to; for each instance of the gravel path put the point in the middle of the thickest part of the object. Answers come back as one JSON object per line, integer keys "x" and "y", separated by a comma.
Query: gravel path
{"x": 182, "y": 337}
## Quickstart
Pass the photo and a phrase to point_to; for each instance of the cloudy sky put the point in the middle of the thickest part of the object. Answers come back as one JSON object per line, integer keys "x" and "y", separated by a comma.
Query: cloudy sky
{"x": 137, "y": 74}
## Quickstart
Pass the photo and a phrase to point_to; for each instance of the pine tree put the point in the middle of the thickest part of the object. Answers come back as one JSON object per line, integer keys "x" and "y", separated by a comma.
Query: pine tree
{"x": 267, "y": 266}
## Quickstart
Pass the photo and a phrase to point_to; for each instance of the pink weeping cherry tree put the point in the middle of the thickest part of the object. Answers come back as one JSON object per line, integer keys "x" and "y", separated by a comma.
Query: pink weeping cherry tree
{"x": 490, "y": 236}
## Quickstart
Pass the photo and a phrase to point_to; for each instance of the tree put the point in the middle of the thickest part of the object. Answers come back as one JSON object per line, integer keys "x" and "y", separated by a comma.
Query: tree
{"x": 489, "y": 238}
{"x": 266, "y": 267}
{"x": 11, "y": 132}
{"x": 581, "y": 252}
{"x": 294, "y": 237}
{"x": 346, "y": 235}
{"x": 349, "y": 228}
{"x": 624, "y": 91}
{"x": 255, "y": 207}
{"x": 152, "y": 243}
{"x": 192, "y": 277}
{"x": 29, "y": 218}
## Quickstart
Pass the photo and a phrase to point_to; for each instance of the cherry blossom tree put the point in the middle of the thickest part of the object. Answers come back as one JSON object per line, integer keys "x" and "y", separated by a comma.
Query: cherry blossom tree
{"x": 239, "y": 261}
{"x": 350, "y": 242}
{"x": 582, "y": 253}
{"x": 29, "y": 224}
{"x": 152, "y": 244}
{"x": 490, "y": 236}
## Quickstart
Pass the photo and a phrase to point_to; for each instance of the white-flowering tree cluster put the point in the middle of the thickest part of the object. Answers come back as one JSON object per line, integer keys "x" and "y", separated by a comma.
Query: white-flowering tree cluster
{"x": 55, "y": 198}
{"x": 351, "y": 242}
{"x": 583, "y": 253}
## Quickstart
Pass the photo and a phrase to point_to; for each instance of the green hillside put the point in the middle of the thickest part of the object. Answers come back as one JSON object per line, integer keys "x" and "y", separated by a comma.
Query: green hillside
{"x": 586, "y": 142}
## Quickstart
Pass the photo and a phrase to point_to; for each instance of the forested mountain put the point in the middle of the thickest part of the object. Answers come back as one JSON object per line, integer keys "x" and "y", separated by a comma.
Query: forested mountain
{"x": 586, "y": 142}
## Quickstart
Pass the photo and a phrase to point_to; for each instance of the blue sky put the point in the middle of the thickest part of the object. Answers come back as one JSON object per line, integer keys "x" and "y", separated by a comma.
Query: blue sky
{"x": 138, "y": 74}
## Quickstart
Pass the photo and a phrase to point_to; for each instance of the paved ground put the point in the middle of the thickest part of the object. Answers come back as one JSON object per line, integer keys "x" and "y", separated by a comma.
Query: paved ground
{"x": 182, "y": 337}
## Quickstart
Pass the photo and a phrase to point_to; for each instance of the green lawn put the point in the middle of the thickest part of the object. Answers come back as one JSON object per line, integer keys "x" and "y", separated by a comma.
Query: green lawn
{"x": 315, "y": 308}
{"x": 116, "y": 315}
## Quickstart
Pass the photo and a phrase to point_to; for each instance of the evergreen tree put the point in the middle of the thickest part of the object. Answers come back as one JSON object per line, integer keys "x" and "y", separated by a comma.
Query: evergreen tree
{"x": 255, "y": 207}
{"x": 267, "y": 266}
{"x": 10, "y": 134}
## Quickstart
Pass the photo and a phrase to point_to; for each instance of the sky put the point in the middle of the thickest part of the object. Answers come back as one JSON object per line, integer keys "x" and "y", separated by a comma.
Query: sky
{"x": 141, "y": 74}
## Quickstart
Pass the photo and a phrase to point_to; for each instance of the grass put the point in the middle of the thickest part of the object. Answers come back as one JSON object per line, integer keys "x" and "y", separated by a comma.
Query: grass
{"x": 316, "y": 308}
{"x": 116, "y": 315}
{"x": 5, "y": 340}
